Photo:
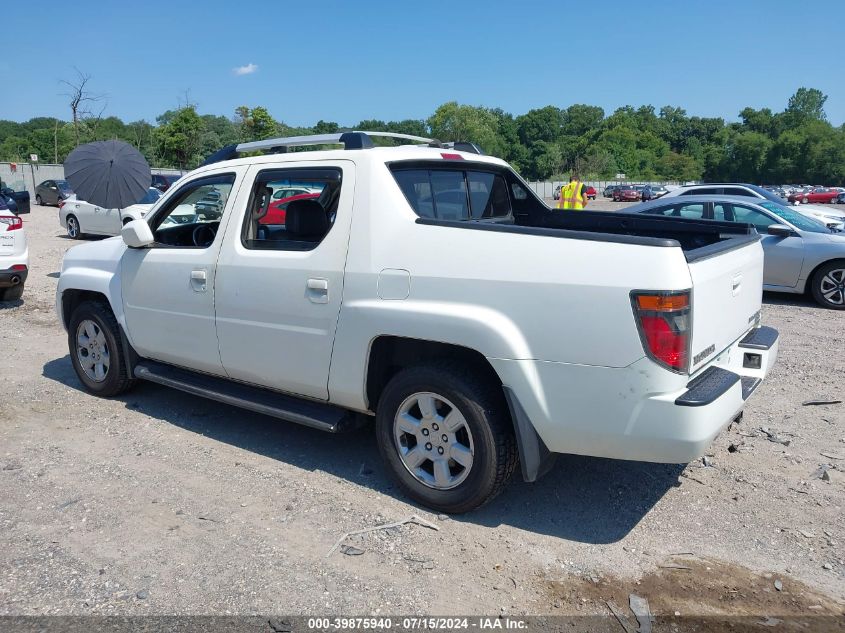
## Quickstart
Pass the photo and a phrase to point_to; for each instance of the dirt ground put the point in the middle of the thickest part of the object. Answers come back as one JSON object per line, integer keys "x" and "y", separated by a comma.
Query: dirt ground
{"x": 163, "y": 503}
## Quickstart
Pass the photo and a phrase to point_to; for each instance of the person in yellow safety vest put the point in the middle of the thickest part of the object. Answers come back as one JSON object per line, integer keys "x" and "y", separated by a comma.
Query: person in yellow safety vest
{"x": 573, "y": 196}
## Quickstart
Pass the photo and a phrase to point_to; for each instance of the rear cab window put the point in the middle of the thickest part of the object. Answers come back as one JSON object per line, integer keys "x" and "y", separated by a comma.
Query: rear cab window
{"x": 461, "y": 192}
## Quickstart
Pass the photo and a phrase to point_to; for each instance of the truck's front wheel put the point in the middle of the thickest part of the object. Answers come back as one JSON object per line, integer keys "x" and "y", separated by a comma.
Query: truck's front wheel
{"x": 446, "y": 436}
{"x": 95, "y": 349}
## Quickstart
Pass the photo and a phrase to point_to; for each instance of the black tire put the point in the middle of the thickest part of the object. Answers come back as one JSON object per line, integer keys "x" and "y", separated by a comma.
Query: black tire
{"x": 11, "y": 294}
{"x": 38, "y": 200}
{"x": 482, "y": 403}
{"x": 117, "y": 379}
{"x": 823, "y": 281}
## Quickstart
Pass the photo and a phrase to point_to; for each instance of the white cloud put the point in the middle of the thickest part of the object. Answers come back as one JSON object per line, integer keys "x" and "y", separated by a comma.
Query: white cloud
{"x": 246, "y": 70}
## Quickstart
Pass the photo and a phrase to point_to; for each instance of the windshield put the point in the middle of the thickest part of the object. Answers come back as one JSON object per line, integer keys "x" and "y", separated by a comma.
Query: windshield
{"x": 768, "y": 195}
{"x": 795, "y": 219}
{"x": 62, "y": 184}
{"x": 151, "y": 196}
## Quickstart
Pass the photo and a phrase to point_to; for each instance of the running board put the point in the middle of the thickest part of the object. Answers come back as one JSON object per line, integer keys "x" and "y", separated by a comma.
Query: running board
{"x": 317, "y": 415}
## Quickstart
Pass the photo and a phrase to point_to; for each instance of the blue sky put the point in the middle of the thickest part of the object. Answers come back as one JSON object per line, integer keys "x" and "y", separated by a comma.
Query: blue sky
{"x": 347, "y": 61}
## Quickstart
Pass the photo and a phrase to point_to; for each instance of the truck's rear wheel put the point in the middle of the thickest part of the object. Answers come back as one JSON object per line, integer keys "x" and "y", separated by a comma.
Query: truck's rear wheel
{"x": 446, "y": 436}
{"x": 95, "y": 350}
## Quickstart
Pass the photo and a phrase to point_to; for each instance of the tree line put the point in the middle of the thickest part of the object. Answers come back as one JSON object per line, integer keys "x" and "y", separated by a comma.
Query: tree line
{"x": 795, "y": 145}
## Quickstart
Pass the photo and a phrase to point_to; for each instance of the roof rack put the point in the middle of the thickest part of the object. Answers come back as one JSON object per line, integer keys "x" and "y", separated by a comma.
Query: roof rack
{"x": 349, "y": 140}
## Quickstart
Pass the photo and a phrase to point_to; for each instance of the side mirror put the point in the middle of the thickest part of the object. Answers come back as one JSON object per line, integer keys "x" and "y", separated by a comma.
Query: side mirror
{"x": 137, "y": 234}
{"x": 780, "y": 230}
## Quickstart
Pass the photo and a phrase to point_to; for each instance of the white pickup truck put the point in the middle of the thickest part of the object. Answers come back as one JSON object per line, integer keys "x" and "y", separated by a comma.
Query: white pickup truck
{"x": 430, "y": 288}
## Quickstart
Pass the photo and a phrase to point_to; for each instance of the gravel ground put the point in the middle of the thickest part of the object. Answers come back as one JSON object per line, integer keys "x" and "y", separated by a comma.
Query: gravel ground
{"x": 163, "y": 503}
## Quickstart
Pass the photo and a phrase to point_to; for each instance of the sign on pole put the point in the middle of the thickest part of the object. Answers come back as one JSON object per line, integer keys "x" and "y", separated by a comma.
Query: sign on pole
{"x": 33, "y": 158}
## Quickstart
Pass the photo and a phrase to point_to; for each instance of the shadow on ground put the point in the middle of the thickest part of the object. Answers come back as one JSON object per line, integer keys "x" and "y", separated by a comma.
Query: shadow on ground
{"x": 8, "y": 305}
{"x": 582, "y": 499}
{"x": 788, "y": 299}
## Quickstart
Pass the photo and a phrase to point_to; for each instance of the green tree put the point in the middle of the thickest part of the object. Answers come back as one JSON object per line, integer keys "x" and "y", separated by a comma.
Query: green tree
{"x": 808, "y": 103}
{"x": 178, "y": 140}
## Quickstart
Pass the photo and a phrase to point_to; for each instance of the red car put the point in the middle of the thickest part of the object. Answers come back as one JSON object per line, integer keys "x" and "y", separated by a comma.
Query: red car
{"x": 627, "y": 193}
{"x": 277, "y": 211}
{"x": 590, "y": 193}
{"x": 819, "y": 194}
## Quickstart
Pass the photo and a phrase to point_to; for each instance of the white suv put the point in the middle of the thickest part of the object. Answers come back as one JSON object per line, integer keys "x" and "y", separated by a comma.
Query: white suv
{"x": 14, "y": 255}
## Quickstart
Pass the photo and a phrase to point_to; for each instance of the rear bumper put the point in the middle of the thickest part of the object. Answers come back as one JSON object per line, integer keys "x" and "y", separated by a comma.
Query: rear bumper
{"x": 9, "y": 278}
{"x": 640, "y": 412}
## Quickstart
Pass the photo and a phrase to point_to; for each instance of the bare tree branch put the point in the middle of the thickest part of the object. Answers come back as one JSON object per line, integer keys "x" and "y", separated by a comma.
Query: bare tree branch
{"x": 81, "y": 99}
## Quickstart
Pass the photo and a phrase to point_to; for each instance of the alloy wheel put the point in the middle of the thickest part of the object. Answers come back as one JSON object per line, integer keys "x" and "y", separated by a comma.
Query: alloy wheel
{"x": 832, "y": 286}
{"x": 72, "y": 227}
{"x": 92, "y": 350}
{"x": 434, "y": 440}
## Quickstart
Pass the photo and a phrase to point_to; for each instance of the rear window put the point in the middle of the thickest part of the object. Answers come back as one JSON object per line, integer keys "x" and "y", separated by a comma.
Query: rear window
{"x": 453, "y": 194}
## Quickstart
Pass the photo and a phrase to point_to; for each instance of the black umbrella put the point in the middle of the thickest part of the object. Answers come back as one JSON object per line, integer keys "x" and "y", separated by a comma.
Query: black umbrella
{"x": 109, "y": 174}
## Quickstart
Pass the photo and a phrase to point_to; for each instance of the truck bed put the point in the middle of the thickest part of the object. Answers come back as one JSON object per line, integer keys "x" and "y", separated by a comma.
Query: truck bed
{"x": 698, "y": 239}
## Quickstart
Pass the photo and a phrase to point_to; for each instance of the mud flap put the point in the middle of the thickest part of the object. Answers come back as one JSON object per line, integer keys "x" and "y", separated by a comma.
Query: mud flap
{"x": 534, "y": 457}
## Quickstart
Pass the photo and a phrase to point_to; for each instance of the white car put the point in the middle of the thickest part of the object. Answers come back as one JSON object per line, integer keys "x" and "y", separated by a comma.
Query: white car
{"x": 831, "y": 217}
{"x": 79, "y": 218}
{"x": 430, "y": 292}
{"x": 14, "y": 255}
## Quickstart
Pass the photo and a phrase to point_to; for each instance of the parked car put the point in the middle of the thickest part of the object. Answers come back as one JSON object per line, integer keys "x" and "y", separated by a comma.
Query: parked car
{"x": 344, "y": 316}
{"x": 590, "y": 193}
{"x": 817, "y": 195}
{"x": 52, "y": 192}
{"x": 802, "y": 254}
{"x": 163, "y": 182}
{"x": 277, "y": 210}
{"x": 627, "y": 193}
{"x": 647, "y": 193}
{"x": 831, "y": 217}
{"x": 16, "y": 201}
{"x": 14, "y": 255}
{"x": 79, "y": 218}
{"x": 210, "y": 205}
{"x": 556, "y": 193}
{"x": 608, "y": 191}
{"x": 840, "y": 199}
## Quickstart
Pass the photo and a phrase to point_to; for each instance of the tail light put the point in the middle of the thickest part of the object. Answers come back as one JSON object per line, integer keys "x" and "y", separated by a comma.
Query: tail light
{"x": 61, "y": 203}
{"x": 664, "y": 323}
{"x": 12, "y": 223}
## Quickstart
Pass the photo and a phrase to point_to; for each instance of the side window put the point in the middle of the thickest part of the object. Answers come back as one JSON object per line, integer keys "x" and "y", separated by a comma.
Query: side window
{"x": 693, "y": 210}
{"x": 747, "y": 215}
{"x": 191, "y": 217}
{"x": 455, "y": 194}
{"x": 662, "y": 210}
{"x": 722, "y": 211}
{"x": 738, "y": 191}
{"x": 703, "y": 191}
{"x": 291, "y": 209}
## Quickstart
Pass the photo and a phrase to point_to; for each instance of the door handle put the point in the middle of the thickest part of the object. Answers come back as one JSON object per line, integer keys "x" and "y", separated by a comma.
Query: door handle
{"x": 198, "y": 280}
{"x": 318, "y": 290}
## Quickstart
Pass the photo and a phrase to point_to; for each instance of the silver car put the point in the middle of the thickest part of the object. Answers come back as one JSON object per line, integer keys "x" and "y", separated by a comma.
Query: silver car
{"x": 801, "y": 254}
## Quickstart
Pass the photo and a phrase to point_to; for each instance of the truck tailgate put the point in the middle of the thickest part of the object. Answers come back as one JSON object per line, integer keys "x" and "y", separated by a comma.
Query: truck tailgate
{"x": 727, "y": 291}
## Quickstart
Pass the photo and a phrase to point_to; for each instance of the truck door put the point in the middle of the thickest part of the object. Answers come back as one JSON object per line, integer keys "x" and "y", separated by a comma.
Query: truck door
{"x": 280, "y": 275}
{"x": 168, "y": 289}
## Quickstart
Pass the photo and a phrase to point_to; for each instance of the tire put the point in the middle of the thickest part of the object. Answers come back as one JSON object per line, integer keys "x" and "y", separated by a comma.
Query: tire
{"x": 74, "y": 230}
{"x": 12, "y": 294}
{"x": 485, "y": 437}
{"x": 38, "y": 200}
{"x": 95, "y": 320}
{"x": 805, "y": 200}
{"x": 828, "y": 285}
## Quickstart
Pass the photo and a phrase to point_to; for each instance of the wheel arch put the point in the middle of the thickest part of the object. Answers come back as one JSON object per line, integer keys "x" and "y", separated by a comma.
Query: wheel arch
{"x": 390, "y": 354}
